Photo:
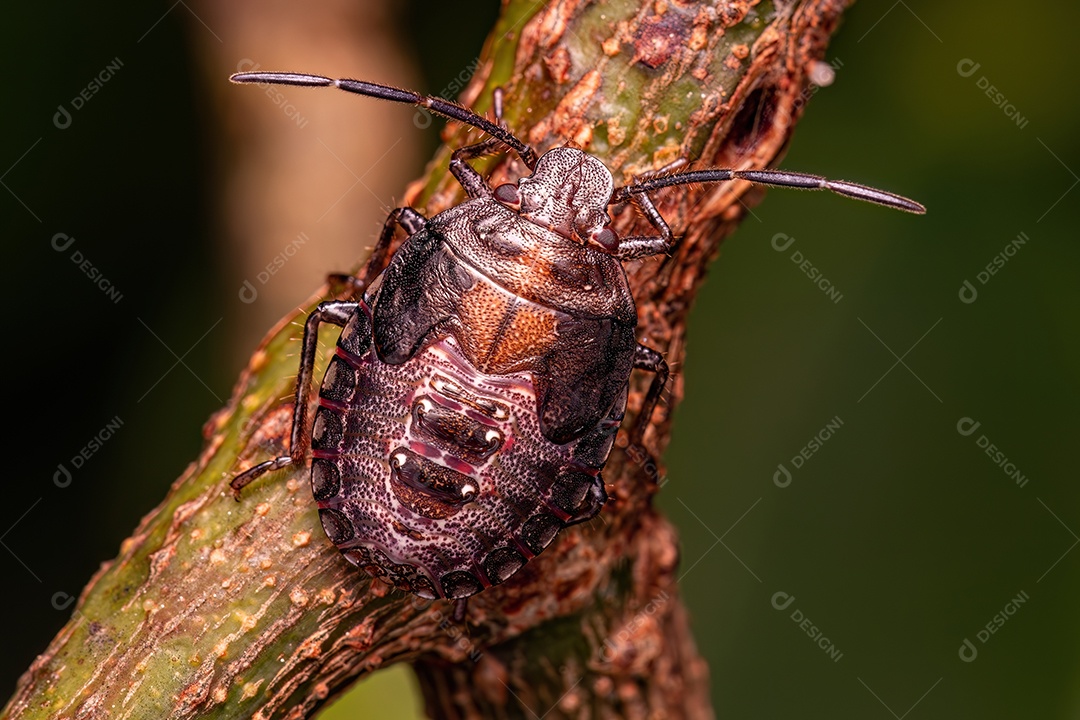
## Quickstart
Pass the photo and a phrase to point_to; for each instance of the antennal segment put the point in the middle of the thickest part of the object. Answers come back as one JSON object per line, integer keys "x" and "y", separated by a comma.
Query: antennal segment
{"x": 774, "y": 178}
{"x": 441, "y": 106}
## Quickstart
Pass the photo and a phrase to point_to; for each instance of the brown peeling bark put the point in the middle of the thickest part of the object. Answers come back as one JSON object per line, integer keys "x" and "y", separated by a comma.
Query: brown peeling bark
{"x": 225, "y": 609}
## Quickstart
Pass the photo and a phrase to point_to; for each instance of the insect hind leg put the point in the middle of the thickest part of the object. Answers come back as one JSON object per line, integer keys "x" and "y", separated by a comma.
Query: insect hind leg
{"x": 334, "y": 312}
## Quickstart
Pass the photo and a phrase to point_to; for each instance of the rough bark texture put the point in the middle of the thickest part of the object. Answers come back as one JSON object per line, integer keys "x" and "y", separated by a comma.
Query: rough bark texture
{"x": 225, "y": 609}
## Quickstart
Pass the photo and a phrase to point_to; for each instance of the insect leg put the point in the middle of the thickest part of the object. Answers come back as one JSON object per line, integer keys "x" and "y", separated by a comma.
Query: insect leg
{"x": 474, "y": 183}
{"x": 461, "y": 609}
{"x": 638, "y": 246}
{"x": 406, "y": 217}
{"x": 645, "y": 358}
{"x": 335, "y": 312}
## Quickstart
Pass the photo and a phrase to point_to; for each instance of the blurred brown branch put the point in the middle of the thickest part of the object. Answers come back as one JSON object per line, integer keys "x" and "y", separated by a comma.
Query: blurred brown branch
{"x": 245, "y": 610}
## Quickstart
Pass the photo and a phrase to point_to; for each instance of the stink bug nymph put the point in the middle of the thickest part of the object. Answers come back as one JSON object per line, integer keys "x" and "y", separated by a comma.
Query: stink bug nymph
{"x": 478, "y": 385}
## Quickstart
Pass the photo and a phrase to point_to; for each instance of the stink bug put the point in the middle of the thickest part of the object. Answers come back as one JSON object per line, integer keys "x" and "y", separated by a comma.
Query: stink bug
{"x": 483, "y": 369}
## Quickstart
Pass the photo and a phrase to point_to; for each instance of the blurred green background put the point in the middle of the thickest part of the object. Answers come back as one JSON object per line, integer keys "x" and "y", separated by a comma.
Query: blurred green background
{"x": 898, "y": 537}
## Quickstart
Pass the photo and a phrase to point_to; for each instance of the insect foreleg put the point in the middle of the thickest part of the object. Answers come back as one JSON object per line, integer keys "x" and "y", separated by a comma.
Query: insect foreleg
{"x": 639, "y": 246}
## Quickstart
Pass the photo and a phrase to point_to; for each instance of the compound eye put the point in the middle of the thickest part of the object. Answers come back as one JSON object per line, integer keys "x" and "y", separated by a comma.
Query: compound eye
{"x": 508, "y": 193}
{"x": 607, "y": 239}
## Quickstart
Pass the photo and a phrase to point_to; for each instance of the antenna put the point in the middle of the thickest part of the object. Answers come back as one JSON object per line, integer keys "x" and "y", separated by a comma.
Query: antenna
{"x": 774, "y": 178}
{"x": 442, "y": 106}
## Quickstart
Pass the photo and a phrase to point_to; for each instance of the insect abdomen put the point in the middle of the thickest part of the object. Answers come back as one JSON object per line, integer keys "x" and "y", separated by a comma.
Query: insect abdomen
{"x": 436, "y": 476}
